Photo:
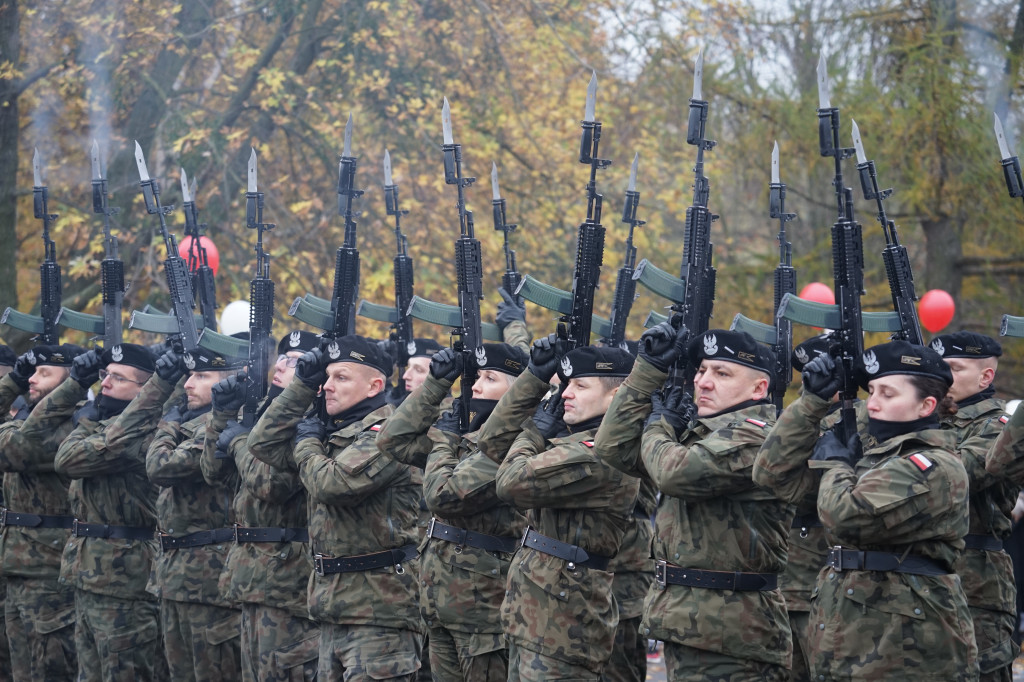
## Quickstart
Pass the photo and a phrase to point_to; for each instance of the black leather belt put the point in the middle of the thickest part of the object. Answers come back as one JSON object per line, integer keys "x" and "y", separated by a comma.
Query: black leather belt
{"x": 806, "y": 521}
{"x": 245, "y": 534}
{"x": 365, "y": 562}
{"x": 667, "y": 574}
{"x": 462, "y": 537}
{"x": 985, "y": 543}
{"x": 853, "y": 560}
{"x": 576, "y": 556}
{"x": 197, "y": 539}
{"x": 9, "y": 518}
{"x": 100, "y": 530}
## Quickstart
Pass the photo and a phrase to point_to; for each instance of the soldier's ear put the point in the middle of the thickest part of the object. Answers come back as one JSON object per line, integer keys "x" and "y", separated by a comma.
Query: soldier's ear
{"x": 760, "y": 387}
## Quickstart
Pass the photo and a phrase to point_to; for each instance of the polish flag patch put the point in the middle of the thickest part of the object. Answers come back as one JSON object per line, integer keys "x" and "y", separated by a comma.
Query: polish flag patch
{"x": 921, "y": 462}
{"x": 375, "y": 427}
{"x": 1005, "y": 418}
{"x": 588, "y": 443}
{"x": 757, "y": 422}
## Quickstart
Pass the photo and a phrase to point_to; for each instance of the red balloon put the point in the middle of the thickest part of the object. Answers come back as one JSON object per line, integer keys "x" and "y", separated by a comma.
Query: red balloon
{"x": 936, "y": 309}
{"x": 212, "y": 254}
{"x": 818, "y": 292}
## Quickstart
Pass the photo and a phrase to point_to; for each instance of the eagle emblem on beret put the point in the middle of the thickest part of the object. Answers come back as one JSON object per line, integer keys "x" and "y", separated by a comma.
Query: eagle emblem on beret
{"x": 481, "y": 356}
{"x": 710, "y": 344}
{"x": 31, "y": 357}
{"x": 190, "y": 362}
{"x": 333, "y": 351}
{"x": 294, "y": 339}
{"x": 871, "y": 362}
{"x": 801, "y": 355}
{"x": 410, "y": 348}
{"x": 116, "y": 354}
{"x": 566, "y": 367}
{"x": 938, "y": 347}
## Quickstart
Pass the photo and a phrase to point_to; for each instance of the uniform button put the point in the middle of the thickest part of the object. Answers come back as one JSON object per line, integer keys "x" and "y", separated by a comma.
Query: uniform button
{"x": 821, "y": 677}
{"x": 494, "y": 571}
{"x": 423, "y": 582}
{"x": 284, "y": 555}
{"x": 220, "y": 546}
{"x": 170, "y": 531}
{"x": 821, "y": 626}
{"x": 849, "y": 591}
{"x": 677, "y": 555}
{"x": 647, "y": 631}
{"x": 831, "y": 575}
{"x": 56, "y": 542}
{"x": 561, "y": 594}
{"x": 917, "y": 612}
{"x": 61, "y": 580}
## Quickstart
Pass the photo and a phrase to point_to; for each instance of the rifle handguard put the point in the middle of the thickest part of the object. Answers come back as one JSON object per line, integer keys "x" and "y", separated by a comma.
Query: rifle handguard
{"x": 660, "y": 282}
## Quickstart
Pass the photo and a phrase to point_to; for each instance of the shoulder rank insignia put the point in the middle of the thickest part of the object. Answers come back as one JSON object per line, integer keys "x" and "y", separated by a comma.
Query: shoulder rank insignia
{"x": 921, "y": 462}
{"x": 756, "y": 422}
{"x": 588, "y": 443}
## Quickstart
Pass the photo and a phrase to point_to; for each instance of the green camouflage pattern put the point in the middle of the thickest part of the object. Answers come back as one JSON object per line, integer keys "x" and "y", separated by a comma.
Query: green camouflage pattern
{"x": 107, "y": 461}
{"x": 201, "y": 641}
{"x": 517, "y": 334}
{"x": 362, "y": 653}
{"x": 118, "y": 640}
{"x": 568, "y": 494}
{"x": 628, "y": 662}
{"x": 404, "y": 436}
{"x": 525, "y": 665}
{"x": 40, "y": 620}
{"x": 1006, "y": 458}
{"x": 712, "y": 516}
{"x": 687, "y": 664}
{"x": 473, "y": 657}
{"x": 277, "y": 646}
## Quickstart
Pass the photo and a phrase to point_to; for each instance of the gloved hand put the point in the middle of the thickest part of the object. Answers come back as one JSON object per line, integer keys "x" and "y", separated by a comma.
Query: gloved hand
{"x": 662, "y": 344}
{"x": 388, "y": 347}
{"x": 310, "y": 369}
{"x": 310, "y": 427}
{"x": 170, "y": 367}
{"x": 829, "y": 448}
{"x": 24, "y": 368}
{"x": 174, "y": 414}
{"x": 446, "y": 365}
{"x": 548, "y": 416}
{"x": 511, "y": 309}
{"x": 448, "y": 422}
{"x": 675, "y": 406}
{"x": 544, "y": 358}
{"x": 230, "y": 432}
{"x": 228, "y": 395}
{"x": 85, "y": 369}
{"x": 821, "y": 377}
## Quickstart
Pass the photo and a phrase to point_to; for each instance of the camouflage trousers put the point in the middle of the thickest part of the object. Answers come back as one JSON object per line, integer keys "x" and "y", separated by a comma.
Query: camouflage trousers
{"x": 40, "y": 616}
{"x": 118, "y": 640}
{"x": 469, "y": 657}
{"x": 201, "y": 641}
{"x": 628, "y": 662}
{"x": 993, "y": 632}
{"x": 529, "y": 666}
{"x": 5, "y": 649}
{"x": 687, "y": 663}
{"x": 362, "y": 653}
{"x": 801, "y": 671}
{"x": 277, "y": 646}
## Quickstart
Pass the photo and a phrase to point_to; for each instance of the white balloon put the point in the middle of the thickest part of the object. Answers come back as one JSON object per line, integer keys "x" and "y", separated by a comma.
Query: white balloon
{"x": 235, "y": 318}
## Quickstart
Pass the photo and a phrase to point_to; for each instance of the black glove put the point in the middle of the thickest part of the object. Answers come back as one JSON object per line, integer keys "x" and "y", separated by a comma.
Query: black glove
{"x": 548, "y": 416}
{"x": 310, "y": 369}
{"x": 170, "y": 367}
{"x": 821, "y": 377}
{"x": 544, "y": 357}
{"x": 829, "y": 448}
{"x": 448, "y": 422}
{"x": 511, "y": 309}
{"x": 446, "y": 365}
{"x": 662, "y": 344}
{"x": 174, "y": 414}
{"x": 85, "y": 369}
{"x": 24, "y": 368}
{"x": 230, "y": 432}
{"x": 310, "y": 427}
{"x": 675, "y": 406}
{"x": 388, "y": 347}
{"x": 228, "y": 395}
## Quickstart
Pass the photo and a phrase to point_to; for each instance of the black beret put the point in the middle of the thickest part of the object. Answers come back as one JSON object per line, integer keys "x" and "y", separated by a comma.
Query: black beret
{"x": 130, "y": 354}
{"x": 731, "y": 346}
{"x": 502, "y": 357}
{"x": 7, "y": 356}
{"x": 966, "y": 345}
{"x": 57, "y": 356}
{"x": 901, "y": 357}
{"x": 808, "y": 350}
{"x": 425, "y": 348}
{"x": 594, "y": 361}
{"x": 360, "y": 350}
{"x": 298, "y": 340}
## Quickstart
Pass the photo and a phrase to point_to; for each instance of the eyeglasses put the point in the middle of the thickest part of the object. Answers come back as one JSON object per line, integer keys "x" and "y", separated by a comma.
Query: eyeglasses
{"x": 287, "y": 360}
{"x": 118, "y": 379}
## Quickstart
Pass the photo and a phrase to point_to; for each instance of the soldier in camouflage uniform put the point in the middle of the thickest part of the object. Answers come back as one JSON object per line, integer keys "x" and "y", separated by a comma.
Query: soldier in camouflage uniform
{"x": 1006, "y": 458}
{"x": 720, "y": 541}
{"x": 267, "y": 568}
{"x": 985, "y": 570}
{"x": 559, "y": 612}
{"x": 419, "y": 363}
{"x": 362, "y": 526}
{"x": 887, "y": 604}
{"x": 110, "y": 555}
{"x": 473, "y": 534}
{"x": 7, "y": 362}
{"x": 201, "y": 627}
{"x": 36, "y": 522}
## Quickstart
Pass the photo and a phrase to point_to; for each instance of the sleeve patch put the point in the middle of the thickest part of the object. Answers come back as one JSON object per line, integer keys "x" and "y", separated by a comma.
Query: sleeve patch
{"x": 375, "y": 427}
{"x": 921, "y": 462}
{"x": 1005, "y": 418}
{"x": 757, "y": 422}
{"x": 588, "y": 443}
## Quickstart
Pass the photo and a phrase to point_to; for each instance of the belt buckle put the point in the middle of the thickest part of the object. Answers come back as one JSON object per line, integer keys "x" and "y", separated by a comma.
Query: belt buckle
{"x": 836, "y": 558}
{"x": 522, "y": 542}
{"x": 318, "y": 563}
{"x": 660, "y": 571}
{"x": 235, "y": 528}
{"x": 74, "y": 528}
{"x": 430, "y": 528}
{"x": 160, "y": 535}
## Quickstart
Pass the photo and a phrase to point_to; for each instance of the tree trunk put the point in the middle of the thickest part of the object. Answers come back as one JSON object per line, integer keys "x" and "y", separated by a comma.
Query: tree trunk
{"x": 10, "y": 48}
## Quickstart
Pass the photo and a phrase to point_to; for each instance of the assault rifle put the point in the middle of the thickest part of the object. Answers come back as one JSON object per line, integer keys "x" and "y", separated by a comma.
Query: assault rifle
{"x": 625, "y": 285}
{"x": 45, "y": 324}
{"x": 203, "y": 287}
{"x": 511, "y": 280}
{"x": 897, "y": 264}
{"x": 1011, "y": 164}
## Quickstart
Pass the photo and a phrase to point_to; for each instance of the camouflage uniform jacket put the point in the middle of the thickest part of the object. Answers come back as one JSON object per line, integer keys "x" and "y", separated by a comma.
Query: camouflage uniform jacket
{"x": 404, "y": 435}
{"x": 889, "y": 503}
{"x": 107, "y": 461}
{"x": 569, "y": 495}
{"x": 1006, "y": 458}
{"x": 30, "y": 486}
{"x": 711, "y": 516}
{"x": 273, "y": 573}
{"x": 633, "y": 566}
{"x": 187, "y": 504}
{"x": 362, "y": 501}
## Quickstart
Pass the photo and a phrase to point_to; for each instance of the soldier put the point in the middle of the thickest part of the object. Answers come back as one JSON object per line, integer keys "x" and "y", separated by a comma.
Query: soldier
{"x": 559, "y": 613}
{"x": 419, "y": 363}
{"x": 35, "y": 523}
{"x": 473, "y": 534}
{"x": 111, "y": 551}
{"x": 887, "y": 604}
{"x": 7, "y": 360}
{"x": 985, "y": 570}
{"x": 201, "y": 627}
{"x": 365, "y": 504}
{"x": 267, "y": 568}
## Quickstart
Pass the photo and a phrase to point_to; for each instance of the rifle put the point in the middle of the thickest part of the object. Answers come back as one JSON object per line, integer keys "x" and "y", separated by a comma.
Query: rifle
{"x": 512, "y": 278}
{"x": 261, "y": 302}
{"x": 401, "y": 329}
{"x": 1011, "y": 164}
{"x": 625, "y": 285}
{"x": 897, "y": 264}
{"x": 203, "y": 288}
{"x": 785, "y": 283}
{"x": 469, "y": 271}
{"x": 346, "y": 264}
{"x": 186, "y": 333}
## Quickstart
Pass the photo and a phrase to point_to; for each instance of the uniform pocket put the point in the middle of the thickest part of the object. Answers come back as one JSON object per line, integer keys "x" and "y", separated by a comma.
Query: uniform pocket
{"x": 224, "y": 630}
{"x": 297, "y": 662}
